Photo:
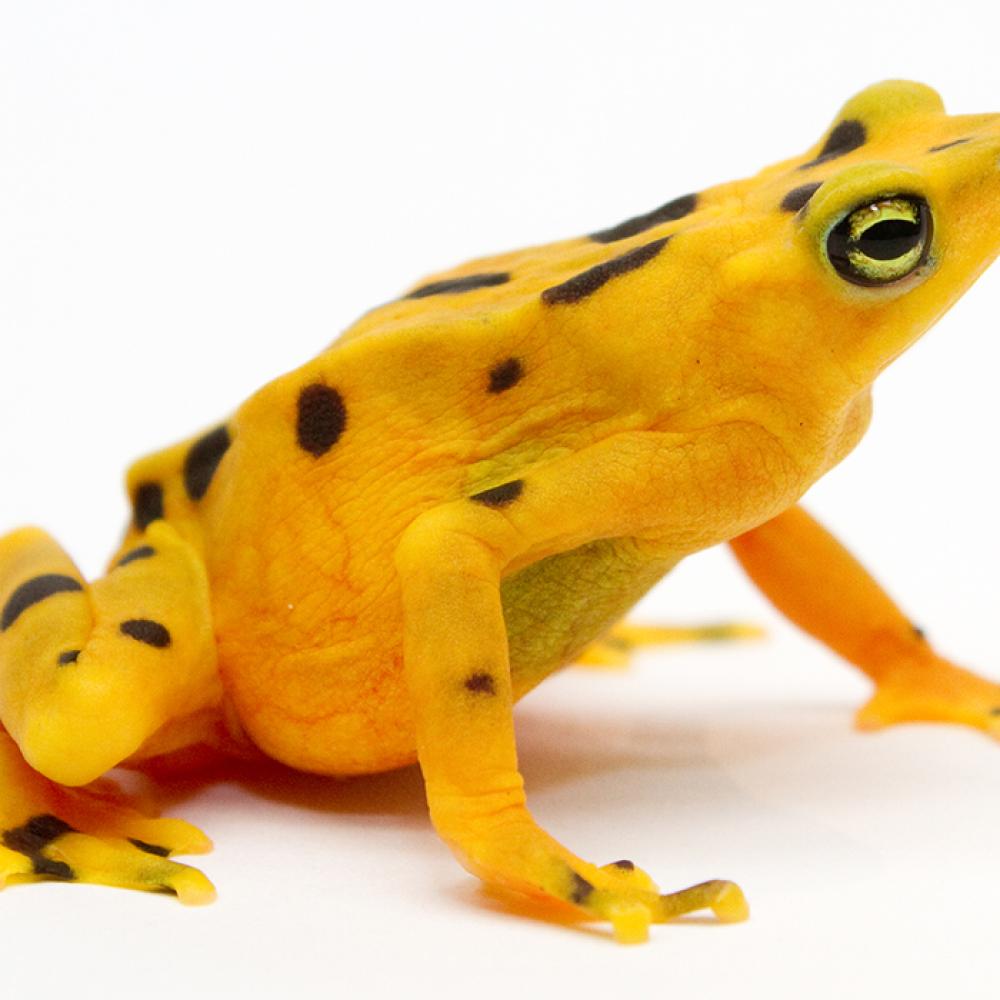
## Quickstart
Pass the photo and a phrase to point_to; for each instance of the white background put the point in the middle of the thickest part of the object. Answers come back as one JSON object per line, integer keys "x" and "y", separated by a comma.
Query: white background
{"x": 195, "y": 196}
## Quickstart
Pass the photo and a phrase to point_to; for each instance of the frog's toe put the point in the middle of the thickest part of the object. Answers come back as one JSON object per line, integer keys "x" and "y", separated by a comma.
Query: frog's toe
{"x": 48, "y": 848}
{"x": 629, "y": 899}
{"x": 130, "y": 864}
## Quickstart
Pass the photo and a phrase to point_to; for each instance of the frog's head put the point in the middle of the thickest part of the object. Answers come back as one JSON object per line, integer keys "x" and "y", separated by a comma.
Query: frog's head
{"x": 871, "y": 235}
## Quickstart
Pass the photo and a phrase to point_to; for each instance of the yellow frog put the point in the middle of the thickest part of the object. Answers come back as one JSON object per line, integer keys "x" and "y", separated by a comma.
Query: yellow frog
{"x": 380, "y": 552}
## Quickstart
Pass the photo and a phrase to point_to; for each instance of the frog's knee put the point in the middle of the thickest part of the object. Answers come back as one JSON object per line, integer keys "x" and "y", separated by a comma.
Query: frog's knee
{"x": 76, "y": 735}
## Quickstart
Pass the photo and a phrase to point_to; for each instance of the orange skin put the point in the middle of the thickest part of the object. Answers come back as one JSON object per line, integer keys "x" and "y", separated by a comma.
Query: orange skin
{"x": 399, "y": 539}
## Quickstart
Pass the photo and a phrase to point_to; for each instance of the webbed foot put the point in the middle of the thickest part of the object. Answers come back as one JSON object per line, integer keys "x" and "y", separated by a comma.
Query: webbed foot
{"x": 933, "y": 690}
{"x": 90, "y": 834}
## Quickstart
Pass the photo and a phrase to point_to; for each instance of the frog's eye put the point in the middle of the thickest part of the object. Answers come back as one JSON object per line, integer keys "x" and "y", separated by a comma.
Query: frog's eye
{"x": 881, "y": 241}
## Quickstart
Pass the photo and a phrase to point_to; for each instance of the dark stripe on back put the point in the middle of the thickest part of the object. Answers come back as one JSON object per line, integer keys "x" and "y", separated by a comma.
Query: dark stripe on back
{"x": 203, "y": 459}
{"x": 467, "y": 283}
{"x": 500, "y": 496}
{"x": 143, "y": 552}
{"x": 798, "y": 198}
{"x": 322, "y": 418}
{"x": 148, "y": 505}
{"x": 670, "y": 212}
{"x": 846, "y": 137}
{"x": 32, "y": 592}
{"x": 143, "y": 630}
{"x": 588, "y": 282}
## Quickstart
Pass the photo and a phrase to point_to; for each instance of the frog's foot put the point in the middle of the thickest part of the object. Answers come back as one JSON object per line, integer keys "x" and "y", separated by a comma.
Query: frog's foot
{"x": 631, "y": 902}
{"x": 522, "y": 858}
{"x": 617, "y": 646}
{"x": 90, "y": 834}
{"x": 933, "y": 690}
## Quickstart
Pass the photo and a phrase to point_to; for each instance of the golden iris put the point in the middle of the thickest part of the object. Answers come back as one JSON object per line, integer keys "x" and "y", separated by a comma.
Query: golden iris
{"x": 882, "y": 241}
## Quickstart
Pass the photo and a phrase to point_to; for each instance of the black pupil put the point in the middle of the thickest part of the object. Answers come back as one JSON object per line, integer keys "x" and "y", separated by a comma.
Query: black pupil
{"x": 889, "y": 239}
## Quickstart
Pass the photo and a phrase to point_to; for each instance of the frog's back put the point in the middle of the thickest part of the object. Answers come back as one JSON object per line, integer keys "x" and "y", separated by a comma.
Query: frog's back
{"x": 464, "y": 384}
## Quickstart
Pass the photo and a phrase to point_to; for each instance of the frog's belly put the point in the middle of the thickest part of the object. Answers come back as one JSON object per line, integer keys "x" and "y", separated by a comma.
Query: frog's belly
{"x": 340, "y": 705}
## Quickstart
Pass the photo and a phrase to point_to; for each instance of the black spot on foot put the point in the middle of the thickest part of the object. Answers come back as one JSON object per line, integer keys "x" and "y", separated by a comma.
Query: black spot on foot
{"x": 625, "y": 865}
{"x": 918, "y": 633}
{"x": 947, "y": 145}
{"x": 581, "y": 889}
{"x": 798, "y": 198}
{"x": 33, "y": 837}
{"x": 202, "y": 461}
{"x": 36, "y": 834}
{"x": 845, "y": 138}
{"x": 670, "y": 212}
{"x": 42, "y": 865}
{"x": 467, "y": 283}
{"x": 143, "y": 552}
{"x": 33, "y": 592}
{"x": 160, "y": 852}
{"x": 143, "y": 630}
{"x": 481, "y": 682}
{"x": 587, "y": 282}
{"x": 148, "y": 505}
{"x": 505, "y": 375}
{"x": 322, "y": 418}
{"x": 500, "y": 496}
{"x": 70, "y": 656}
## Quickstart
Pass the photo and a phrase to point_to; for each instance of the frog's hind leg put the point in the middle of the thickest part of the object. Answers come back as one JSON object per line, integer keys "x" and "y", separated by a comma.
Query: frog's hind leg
{"x": 820, "y": 586}
{"x": 623, "y": 641}
{"x": 88, "y": 674}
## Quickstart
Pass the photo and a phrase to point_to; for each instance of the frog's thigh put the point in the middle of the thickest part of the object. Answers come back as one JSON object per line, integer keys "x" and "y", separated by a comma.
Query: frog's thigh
{"x": 450, "y": 562}
{"x": 89, "y": 672}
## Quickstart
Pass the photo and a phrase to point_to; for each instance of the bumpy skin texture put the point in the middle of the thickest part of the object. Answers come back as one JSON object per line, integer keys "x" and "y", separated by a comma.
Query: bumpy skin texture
{"x": 381, "y": 551}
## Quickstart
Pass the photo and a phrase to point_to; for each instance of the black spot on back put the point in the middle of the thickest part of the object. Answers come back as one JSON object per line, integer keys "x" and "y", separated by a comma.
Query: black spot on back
{"x": 467, "y": 283}
{"x": 148, "y": 505}
{"x": 143, "y": 552}
{"x": 505, "y": 375}
{"x": 669, "y": 212}
{"x": 849, "y": 135}
{"x": 203, "y": 459}
{"x": 160, "y": 852}
{"x": 625, "y": 865}
{"x": 587, "y": 282}
{"x": 799, "y": 197}
{"x": 322, "y": 418}
{"x": 481, "y": 682}
{"x": 947, "y": 145}
{"x": 143, "y": 630}
{"x": 34, "y": 591}
{"x": 500, "y": 496}
{"x": 70, "y": 656}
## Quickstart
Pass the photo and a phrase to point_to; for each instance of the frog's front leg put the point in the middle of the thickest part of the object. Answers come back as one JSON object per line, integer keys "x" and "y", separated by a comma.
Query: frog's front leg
{"x": 451, "y": 561}
{"x": 809, "y": 576}
{"x": 88, "y": 673}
